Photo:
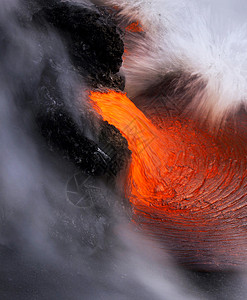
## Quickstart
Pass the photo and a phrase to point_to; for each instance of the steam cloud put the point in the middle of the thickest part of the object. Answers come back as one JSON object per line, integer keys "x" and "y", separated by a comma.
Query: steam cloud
{"x": 205, "y": 40}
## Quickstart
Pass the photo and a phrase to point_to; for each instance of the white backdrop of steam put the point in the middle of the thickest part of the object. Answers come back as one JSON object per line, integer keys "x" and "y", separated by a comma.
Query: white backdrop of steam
{"x": 204, "y": 38}
{"x": 49, "y": 248}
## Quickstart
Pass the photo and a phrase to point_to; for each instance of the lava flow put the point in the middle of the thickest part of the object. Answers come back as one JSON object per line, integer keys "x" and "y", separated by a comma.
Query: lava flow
{"x": 188, "y": 187}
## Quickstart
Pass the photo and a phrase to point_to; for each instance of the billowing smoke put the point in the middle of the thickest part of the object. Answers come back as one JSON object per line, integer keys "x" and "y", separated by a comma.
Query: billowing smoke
{"x": 65, "y": 233}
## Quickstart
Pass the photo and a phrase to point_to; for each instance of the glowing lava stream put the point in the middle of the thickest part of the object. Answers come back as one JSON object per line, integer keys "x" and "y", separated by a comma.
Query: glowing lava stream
{"x": 185, "y": 184}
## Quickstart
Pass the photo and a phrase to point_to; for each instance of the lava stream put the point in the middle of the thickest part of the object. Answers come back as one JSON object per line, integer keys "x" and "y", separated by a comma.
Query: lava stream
{"x": 186, "y": 184}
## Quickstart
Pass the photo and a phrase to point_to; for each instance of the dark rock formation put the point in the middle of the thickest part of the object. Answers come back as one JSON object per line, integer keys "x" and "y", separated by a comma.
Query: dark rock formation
{"x": 95, "y": 50}
{"x": 91, "y": 38}
{"x": 115, "y": 146}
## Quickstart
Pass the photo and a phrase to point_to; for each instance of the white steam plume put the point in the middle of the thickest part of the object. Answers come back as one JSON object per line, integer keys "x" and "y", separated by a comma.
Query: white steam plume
{"x": 206, "y": 39}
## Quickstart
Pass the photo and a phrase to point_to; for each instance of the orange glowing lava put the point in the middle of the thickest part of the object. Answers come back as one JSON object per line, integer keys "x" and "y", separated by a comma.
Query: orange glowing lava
{"x": 186, "y": 184}
{"x": 135, "y": 27}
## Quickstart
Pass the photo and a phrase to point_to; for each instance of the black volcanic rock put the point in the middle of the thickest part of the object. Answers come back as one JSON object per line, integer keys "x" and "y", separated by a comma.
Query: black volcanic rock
{"x": 49, "y": 49}
{"x": 95, "y": 50}
{"x": 115, "y": 146}
{"x": 91, "y": 38}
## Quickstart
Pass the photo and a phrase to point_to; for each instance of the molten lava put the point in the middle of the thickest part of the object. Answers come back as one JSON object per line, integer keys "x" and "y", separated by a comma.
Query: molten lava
{"x": 187, "y": 187}
{"x": 135, "y": 27}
